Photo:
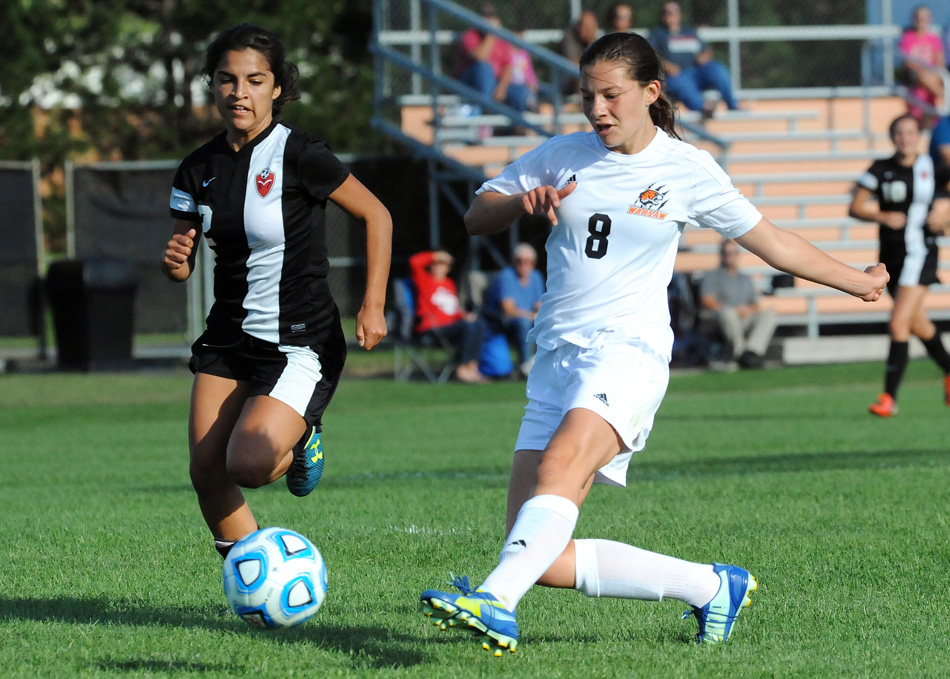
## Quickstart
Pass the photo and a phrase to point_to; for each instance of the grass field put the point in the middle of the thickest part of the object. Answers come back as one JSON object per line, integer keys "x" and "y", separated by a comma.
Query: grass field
{"x": 108, "y": 570}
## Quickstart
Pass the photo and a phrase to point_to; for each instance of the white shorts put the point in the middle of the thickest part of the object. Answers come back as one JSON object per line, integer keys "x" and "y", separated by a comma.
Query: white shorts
{"x": 624, "y": 382}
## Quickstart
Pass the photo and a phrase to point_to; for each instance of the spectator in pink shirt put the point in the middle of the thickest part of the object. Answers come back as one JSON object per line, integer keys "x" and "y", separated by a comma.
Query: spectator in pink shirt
{"x": 485, "y": 64}
{"x": 924, "y": 48}
{"x": 523, "y": 82}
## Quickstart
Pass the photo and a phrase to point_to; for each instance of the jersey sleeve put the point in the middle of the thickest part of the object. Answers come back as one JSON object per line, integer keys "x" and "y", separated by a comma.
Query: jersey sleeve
{"x": 321, "y": 172}
{"x": 528, "y": 172}
{"x": 183, "y": 204}
{"x": 869, "y": 180}
{"x": 719, "y": 205}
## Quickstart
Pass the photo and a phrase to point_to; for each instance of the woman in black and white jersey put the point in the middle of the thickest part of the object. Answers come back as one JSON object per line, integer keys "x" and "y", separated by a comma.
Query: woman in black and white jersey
{"x": 911, "y": 206}
{"x": 272, "y": 354}
{"x": 618, "y": 198}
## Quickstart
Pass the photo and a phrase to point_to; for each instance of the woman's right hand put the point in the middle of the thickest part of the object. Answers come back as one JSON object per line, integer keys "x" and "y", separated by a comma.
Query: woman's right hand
{"x": 893, "y": 220}
{"x": 178, "y": 251}
{"x": 542, "y": 201}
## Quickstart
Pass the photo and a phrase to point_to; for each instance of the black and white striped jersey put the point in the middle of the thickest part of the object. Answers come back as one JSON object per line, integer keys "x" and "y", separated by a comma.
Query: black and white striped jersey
{"x": 262, "y": 210}
{"x": 910, "y": 190}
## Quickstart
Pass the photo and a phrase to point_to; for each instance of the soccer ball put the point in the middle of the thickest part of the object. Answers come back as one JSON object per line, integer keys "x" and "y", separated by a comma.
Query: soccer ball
{"x": 275, "y": 578}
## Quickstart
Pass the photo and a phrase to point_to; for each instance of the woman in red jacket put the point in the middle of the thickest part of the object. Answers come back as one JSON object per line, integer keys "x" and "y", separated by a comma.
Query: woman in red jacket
{"x": 438, "y": 309}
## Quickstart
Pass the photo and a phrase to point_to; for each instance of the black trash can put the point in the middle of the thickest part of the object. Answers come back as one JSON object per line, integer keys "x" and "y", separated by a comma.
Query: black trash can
{"x": 93, "y": 305}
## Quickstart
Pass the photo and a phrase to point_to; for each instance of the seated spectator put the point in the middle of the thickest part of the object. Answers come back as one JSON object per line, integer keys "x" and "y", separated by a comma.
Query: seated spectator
{"x": 484, "y": 64}
{"x": 522, "y": 86}
{"x": 940, "y": 142}
{"x": 438, "y": 310}
{"x": 924, "y": 48}
{"x": 512, "y": 301}
{"x": 688, "y": 62}
{"x": 619, "y": 18}
{"x": 728, "y": 298}
{"x": 576, "y": 39}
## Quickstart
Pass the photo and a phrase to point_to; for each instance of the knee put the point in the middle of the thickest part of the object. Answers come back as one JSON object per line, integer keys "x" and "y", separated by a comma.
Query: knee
{"x": 899, "y": 329}
{"x": 717, "y": 69}
{"x": 251, "y": 460}
{"x": 247, "y": 473}
{"x": 558, "y": 463}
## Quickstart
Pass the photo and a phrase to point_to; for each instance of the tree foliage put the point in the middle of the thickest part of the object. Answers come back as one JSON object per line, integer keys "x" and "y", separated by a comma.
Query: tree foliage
{"x": 119, "y": 79}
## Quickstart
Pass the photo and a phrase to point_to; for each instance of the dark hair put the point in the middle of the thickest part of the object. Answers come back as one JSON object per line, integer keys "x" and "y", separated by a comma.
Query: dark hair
{"x": 247, "y": 36}
{"x": 892, "y": 130}
{"x": 614, "y": 10}
{"x": 643, "y": 66}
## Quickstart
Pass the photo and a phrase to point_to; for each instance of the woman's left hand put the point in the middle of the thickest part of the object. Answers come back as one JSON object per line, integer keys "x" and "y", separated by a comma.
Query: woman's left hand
{"x": 370, "y": 327}
{"x": 939, "y": 217}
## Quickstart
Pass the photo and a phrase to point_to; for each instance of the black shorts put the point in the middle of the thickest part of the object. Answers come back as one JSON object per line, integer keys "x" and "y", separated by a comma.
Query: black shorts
{"x": 910, "y": 269}
{"x": 304, "y": 378}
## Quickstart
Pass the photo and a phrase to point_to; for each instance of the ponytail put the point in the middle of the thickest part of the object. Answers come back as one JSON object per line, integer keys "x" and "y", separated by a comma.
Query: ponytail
{"x": 663, "y": 116}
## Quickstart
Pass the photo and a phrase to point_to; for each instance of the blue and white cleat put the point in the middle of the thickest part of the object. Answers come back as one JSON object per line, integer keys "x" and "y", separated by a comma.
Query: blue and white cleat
{"x": 307, "y": 466}
{"x": 474, "y": 611}
{"x": 717, "y": 617}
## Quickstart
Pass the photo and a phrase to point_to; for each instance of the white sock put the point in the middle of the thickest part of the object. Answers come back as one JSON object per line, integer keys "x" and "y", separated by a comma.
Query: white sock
{"x": 613, "y": 569}
{"x": 541, "y": 533}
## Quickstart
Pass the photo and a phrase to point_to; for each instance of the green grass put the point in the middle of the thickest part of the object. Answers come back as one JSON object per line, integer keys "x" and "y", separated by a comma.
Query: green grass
{"x": 108, "y": 570}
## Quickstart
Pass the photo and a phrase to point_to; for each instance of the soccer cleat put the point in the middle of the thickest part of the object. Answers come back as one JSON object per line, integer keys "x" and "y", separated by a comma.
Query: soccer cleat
{"x": 305, "y": 470}
{"x": 885, "y": 406}
{"x": 946, "y": 390}
{"x": 717, "y": 617}
{"x": 474, "y": 611}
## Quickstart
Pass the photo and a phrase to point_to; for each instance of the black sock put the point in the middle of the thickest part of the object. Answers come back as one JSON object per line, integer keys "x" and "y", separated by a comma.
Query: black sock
{"x": 938, "y": 353}
{"x": 896, "y": 364}
{"x": 223, "y": 547}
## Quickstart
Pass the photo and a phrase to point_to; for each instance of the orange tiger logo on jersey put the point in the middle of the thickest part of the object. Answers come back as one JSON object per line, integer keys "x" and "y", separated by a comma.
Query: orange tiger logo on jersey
{"x": 649, "y": 203}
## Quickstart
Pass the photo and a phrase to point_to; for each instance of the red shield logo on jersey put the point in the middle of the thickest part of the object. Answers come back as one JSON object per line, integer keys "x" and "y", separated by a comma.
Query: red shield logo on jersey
{"x": 265, "y": 181}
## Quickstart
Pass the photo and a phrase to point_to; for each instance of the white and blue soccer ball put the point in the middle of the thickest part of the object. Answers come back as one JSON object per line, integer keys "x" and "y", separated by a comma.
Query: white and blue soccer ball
{"x": 275, "y": 578}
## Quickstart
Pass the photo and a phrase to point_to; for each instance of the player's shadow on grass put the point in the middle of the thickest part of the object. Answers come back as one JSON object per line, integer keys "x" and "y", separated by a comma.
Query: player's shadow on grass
{"x": 800, "y": 462}
{"x": 366, "y": 646}
{"x": 74, "y": 610}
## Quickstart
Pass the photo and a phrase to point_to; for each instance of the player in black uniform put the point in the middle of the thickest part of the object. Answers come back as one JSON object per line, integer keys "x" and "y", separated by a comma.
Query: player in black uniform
{"x": 911, "y": 208}
{"x": 271, "y": 356}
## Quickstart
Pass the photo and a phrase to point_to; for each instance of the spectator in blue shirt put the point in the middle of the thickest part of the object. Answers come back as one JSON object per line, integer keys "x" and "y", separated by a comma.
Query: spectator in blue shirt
{"x": 688, "y": 62}
{"x": 940, "y": 142}
{"x": 512, "y": 301}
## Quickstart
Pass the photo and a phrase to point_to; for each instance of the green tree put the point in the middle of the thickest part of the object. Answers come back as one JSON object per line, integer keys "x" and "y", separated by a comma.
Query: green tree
{"x": 119, "y": 79}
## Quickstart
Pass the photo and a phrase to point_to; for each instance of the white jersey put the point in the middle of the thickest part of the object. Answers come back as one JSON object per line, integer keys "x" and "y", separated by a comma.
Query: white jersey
{"x": 611, "y": 255}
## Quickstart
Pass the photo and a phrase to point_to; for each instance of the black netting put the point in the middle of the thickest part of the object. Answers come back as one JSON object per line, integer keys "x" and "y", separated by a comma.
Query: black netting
{"x": 19, "y": 281}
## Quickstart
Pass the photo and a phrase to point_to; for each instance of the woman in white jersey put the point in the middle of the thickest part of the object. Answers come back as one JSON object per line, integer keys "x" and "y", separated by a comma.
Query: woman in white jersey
{"x": 617, "y": 198}
{"x": 271, "y": 357}
{"x": 910, "y": 205}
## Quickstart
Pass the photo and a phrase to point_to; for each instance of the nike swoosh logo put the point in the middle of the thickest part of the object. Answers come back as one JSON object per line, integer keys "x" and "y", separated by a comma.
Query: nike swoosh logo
{"x": 205, "y": 183}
